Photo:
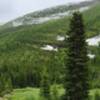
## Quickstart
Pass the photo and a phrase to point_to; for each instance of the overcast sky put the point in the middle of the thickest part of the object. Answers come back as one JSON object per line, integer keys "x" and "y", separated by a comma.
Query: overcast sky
{"x": 10, "y": 9}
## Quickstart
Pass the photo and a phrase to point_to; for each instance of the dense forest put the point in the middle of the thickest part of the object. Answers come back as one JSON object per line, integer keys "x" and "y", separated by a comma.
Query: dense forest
{"x": 23, "y": 62}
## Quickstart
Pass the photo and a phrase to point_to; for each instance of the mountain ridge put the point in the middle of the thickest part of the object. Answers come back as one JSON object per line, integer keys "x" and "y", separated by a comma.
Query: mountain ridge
{"x": 38, "y": 17}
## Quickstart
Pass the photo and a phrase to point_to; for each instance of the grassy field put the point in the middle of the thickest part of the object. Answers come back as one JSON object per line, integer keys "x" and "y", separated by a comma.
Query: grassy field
{"x": 24, "y": 94}
{"x": 33, "y": 94}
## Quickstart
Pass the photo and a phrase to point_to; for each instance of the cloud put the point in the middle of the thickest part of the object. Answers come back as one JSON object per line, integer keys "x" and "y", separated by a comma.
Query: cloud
{"x": 6, "y": 6}
{"x": 6, "y": 10}
{"x": 10, "y": 9}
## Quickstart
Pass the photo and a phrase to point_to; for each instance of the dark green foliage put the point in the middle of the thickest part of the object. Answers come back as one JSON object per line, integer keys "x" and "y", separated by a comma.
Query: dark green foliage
{"x": 5, "y": 85}
{"x": 45, "y": 86}
{"x": 94, "y": 67}
{"x": 25, "y": 69}
{"x": 55, "y": 94}
{"x": 97, "y": 96}
{"x": 23, "y": 61}
{"x": 76, "y": 83}
{"x": 56, "y": 67}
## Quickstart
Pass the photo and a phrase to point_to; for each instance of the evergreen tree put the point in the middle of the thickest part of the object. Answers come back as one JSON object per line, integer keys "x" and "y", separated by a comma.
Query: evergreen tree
{"x": 45, "y": 86}
{"x": 76, "y": 82}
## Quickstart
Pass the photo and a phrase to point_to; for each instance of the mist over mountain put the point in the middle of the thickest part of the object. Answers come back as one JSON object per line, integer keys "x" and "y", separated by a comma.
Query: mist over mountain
{"x": 10, "y": 9}
{"x": 49, "y": 13}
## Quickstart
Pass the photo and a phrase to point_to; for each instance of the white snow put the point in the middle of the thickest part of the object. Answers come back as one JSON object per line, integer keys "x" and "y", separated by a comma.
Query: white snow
{"x": 91, "y": 56}
{"x": 84, "y": 9}
{"x": 15, "y": 23}
{"x": 94, "y": 41}
{"x": 45, "y": 19}
{"x": 60, "y": 38}
{"x": 49, "y": 48}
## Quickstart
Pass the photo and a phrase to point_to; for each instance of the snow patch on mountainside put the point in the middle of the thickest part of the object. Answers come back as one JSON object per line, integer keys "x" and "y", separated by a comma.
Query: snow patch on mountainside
{"x": 61, "y": 38}
{"x": 49, "y": 48}
{"x": 84, "y": 9}
{"x": 91, "y": 56}
{"x": 94, "y": 41}
{"x": 15, "y": 23}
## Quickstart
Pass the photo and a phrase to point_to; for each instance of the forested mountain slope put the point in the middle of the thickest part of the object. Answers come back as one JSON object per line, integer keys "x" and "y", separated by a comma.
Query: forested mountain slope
{"x": 22, "y": 58}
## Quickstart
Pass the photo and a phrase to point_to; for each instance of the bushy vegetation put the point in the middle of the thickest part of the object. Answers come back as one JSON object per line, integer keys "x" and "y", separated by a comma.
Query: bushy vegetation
{"x": 34, "y": 93}
{"x": 97, "y": 96}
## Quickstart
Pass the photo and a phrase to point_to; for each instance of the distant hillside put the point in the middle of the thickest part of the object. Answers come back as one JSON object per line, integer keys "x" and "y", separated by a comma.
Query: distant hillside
{"x": 47, "y": 14}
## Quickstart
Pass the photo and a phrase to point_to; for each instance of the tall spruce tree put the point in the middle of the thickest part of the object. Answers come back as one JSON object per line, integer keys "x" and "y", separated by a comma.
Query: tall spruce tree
{"x": 76, "y": 82}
